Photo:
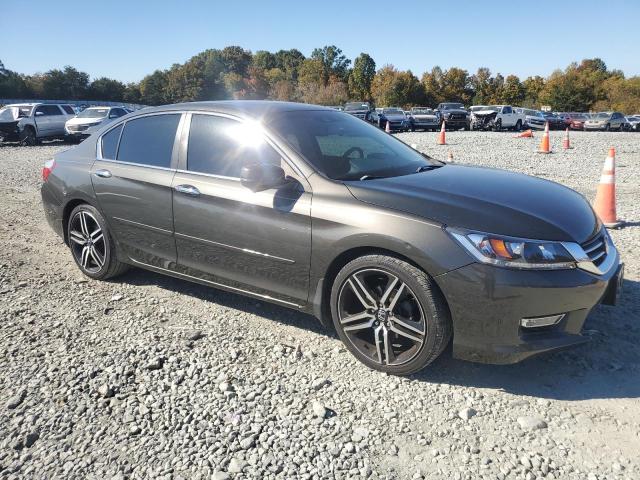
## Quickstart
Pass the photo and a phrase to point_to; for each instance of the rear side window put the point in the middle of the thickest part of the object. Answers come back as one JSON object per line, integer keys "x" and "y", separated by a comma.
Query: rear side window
{"x": 149, "y": 140}
{"x": 110, "y": 143}
{"x": 68, "y": 109}
{"x": 221, "y": 146}
{"x": 49, "y": 110}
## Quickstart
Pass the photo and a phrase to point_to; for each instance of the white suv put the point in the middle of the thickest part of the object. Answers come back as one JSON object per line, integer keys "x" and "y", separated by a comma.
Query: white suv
{"x": 29, "y": 123}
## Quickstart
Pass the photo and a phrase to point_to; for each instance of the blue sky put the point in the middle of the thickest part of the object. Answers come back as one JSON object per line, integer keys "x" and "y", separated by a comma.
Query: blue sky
{"x": 129, "y": 39}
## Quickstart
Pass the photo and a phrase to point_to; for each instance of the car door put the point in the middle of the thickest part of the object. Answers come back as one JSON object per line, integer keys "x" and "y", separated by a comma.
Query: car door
{"x": 42, "y": 118}
{"x": 57, "y": 120}
{"x": 132, "y": 180}
{"x": 508, "y": 117}
{"x": 255, "y": 242}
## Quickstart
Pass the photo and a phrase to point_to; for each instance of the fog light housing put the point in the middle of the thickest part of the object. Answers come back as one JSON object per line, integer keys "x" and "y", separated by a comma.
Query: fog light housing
{"x": 536, "y": 322}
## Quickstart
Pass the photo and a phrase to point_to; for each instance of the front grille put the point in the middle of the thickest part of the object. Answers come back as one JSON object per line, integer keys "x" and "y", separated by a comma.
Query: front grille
{"x": 596, "y": 248}
{"x": 78, "y": 128}
{"x": 454, "y": 116}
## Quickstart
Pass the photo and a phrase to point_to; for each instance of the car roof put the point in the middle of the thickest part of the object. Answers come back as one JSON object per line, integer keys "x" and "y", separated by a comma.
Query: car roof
{"x": 241, "y": 108}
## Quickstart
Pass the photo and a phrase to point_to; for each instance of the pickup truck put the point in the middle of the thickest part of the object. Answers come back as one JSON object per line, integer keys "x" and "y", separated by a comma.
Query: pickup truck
{"x": 454, "y": 115}
{"x": 496, "y": 117}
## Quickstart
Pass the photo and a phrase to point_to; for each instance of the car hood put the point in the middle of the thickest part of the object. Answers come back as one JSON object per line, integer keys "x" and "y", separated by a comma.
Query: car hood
{"x": 454, "y": 111}
{"x": 484, "y": 113}
{"x": 394, "y": 116}
{"x": 85, "y": 121}
{"x": 425, "y": 116}
{"x": 487, "y": 200}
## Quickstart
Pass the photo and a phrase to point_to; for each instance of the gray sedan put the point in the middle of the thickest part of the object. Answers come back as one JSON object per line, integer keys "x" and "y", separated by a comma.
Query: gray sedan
{"x": 316, "y": 210}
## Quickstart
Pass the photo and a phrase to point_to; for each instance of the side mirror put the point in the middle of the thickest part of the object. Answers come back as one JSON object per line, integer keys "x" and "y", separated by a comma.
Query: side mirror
{"x": 262, "y": 176}
{"x": 39, "y": 114}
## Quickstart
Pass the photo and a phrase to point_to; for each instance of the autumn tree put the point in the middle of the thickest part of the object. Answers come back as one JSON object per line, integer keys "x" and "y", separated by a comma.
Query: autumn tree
{"x": 361, "y": 77}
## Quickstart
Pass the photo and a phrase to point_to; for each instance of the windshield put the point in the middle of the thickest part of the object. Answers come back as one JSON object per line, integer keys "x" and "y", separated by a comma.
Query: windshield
{"x": 344, "y": 148}
{"x": 18, "y": 111}
{"x": 356, "y": 106}
{"x": 579, "y": 117}
{"x": 452, "y": 106}
{"x": 603, "y": 115}
{"x": 393, "y": 111}
{"x": 94, "y": 113}
{"x": 422, "y": 110}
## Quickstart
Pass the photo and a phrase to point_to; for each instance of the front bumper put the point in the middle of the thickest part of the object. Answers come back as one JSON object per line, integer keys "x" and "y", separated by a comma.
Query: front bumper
{"x": 488, "y": 304}
{"x": 590, "y": 126}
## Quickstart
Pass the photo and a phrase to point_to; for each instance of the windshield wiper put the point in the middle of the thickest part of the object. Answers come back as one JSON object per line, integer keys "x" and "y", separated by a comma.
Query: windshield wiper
{"x": 426, "y": 168}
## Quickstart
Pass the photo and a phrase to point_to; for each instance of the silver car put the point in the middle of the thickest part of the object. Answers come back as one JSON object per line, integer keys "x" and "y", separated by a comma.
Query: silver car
{"x": 606, "y": 121}
{"x": 424, "y": 118}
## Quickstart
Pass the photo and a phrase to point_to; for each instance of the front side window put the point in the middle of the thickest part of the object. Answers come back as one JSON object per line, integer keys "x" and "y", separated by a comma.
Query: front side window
{"x": 149, "y": 140}
{"x": 110, "y": 143}
{"x": 344, "y": 148}
{"x": 507, "y": 110}
{"x": 221, "y": 146}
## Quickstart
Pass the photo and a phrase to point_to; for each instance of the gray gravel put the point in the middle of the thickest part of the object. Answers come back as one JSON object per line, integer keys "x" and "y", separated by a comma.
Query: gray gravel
{"x": 151, "y": 377}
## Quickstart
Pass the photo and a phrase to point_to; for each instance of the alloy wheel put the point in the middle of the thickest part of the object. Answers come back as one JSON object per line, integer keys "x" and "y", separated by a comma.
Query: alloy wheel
{"x": 87, "y": 241}
{"x": 381, "y": 317}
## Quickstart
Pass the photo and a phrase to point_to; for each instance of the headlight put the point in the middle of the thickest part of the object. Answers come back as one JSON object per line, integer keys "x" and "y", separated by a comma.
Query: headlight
{"x": 514, "y": 252}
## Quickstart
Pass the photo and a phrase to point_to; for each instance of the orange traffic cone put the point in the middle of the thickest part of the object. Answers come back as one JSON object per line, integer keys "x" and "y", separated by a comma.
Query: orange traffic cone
{"x": 387, "y": 127}
{"x": 605, "y": 204}
{"x": 544, "y": 144}
{"x": 525, "y": 134}
{"x": 442, "y": 137}
{"x": 565, "y": 143}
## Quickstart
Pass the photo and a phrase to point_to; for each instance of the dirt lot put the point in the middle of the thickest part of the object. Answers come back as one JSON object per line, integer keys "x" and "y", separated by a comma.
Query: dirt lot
{"x": 151, "y": 377}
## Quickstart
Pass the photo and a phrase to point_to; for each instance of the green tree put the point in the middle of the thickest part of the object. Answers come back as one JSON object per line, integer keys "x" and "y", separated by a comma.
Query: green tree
{"x": 361, "y": 77}
{"x": 153, "y": 88}
{"x": 67, "y": 83}
{"x": 482, "y": 85}
{"x": 333, "y": 62}
{"x": 264, "y": 60}
{"x": 533, "y": 86}
{"x": 391, "y": 87}
{"x": 107, "y": 89}
{"x": 236, "y": 60}
{"x": 513, "y": 91}
{"x": 289, "y": 61}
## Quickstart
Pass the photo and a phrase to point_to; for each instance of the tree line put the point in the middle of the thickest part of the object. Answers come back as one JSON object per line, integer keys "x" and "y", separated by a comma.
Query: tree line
{"x": 328, "y": 77}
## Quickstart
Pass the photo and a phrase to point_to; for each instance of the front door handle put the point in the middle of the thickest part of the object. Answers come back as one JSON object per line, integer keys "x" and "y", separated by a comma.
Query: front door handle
{"x": 187, "y": 190}
{"x": 103, "y": 173}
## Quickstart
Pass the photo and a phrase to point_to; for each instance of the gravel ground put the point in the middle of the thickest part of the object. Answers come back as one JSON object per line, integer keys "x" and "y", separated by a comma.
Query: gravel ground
{"x": 152, "y": 377}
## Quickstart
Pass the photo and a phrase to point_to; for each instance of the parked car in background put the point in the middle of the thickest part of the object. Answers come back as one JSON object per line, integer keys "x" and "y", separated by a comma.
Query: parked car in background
{"x": 454, "y": 114}
{"x": 554, "y": 121}
{"x": 496, "y": 117}
{"x": 576, "y": 120}
{"x": 400, "y": 252}
{"x": 606, "y": 121}
{"x": 532, "y": 118}
{"x": 361, "y": 110}
{"x": 565, "y": 117}
{"x": 84, "y": 124}
{"x": 394, "y": 116}
{"x": 29, "y": 123}
{"x": 424, "y": 118}
{"x": 633, "y": 123}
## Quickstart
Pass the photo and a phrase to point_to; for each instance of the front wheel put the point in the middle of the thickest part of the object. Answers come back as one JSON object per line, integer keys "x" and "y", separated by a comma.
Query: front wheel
{"x": 389, "y": 314}
{"x": 607, "y": 127}
{"x": 518, "y": 125}
{"x": 29, "y": 138}
{"x": 91, "y": 244}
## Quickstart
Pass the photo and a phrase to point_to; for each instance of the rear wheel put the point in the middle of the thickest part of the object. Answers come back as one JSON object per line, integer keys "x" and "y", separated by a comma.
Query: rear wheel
{"x": 389, "y": 314}
{"x": 607, "y": 127}
{"x": 91, "y": 244}
{"x": 518, "y": 125}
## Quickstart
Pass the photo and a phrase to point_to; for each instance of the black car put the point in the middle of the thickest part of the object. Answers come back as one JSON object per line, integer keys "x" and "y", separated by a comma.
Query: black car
{"x": 315, "y": 210}
{"x": 454, "y": 115}
{"x": 555, "y": 122}
{"x": 360, "y": 110}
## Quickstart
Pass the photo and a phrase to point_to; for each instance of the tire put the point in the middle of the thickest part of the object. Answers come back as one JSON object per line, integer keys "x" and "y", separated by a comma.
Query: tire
{"x": 29, "y": 138}
{"x": 467, "y": 127}
{"x": 518, "y": 125}
{"x": 607, "y": 127}
{"x": 498, "y": 126}
{"x": 414, "y": 315}
{"x": 91, "y": 244}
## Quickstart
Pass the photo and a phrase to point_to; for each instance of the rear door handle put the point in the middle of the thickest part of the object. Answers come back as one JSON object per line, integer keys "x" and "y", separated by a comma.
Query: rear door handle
{"x": 102, "y": 173}
{"x": 187, "y": 190}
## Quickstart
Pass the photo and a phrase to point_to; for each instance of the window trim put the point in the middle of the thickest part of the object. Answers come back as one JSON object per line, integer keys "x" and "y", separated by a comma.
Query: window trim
{"x": 176, "y": 141}
{"x": 184, "y": 146}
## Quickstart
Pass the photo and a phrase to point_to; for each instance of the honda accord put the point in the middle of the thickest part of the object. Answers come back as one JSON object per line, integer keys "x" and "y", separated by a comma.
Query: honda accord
{"x": 316, "y": 210}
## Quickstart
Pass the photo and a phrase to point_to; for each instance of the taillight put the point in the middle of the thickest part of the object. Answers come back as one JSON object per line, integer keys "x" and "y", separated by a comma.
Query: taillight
{"x": 48, "y": 167}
